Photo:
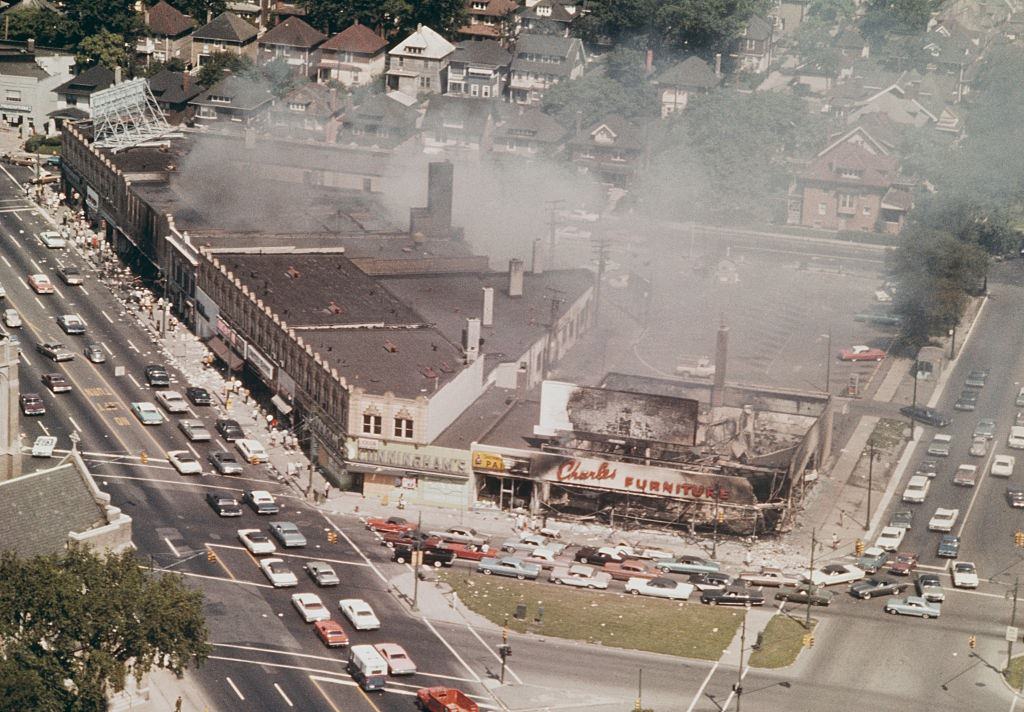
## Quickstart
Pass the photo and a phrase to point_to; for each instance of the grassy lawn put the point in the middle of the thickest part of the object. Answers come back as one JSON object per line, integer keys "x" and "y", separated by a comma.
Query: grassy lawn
{"x": 781, "y": 643}
{"x": 888, "y": 434}
{"x": 1015, "y": 675}
{"x": 687, "y": 630}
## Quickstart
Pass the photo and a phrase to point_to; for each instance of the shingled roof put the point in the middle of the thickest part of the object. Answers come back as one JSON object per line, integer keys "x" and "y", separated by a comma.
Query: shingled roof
{"x": 691, "y": 72}
{"x": 356, "y": 38}
{"x": 165, "y": 20}
{"x": 226, "y": 27}
{"x": 293, "y": 32}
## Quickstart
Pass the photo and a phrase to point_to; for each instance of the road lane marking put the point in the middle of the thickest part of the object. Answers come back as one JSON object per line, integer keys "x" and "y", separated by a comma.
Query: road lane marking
{"x": 83, "y": 291}
{"x": 171, "y": 547}
{"x": 133, "y": 347}
{"x": 104, "y": 344}
{"x": 36, "y": 265}
{"x": 74, "y": 424}
{"x": 40, "y": 303}
{"x": 57, "y": 290}
{"x": 24, "y": 358}
{"x": 700, "y": 690}
{"x": 281, "y": 692}
{"x": 132, "y": 378}
{"x": 6, "y": 262}
{"x": 237, "y": 691}
{"x": 459, "y": 657}
{"x": 207, "y": 577}
{"x": 43, "y": 427}
{"x": 221, "y": 563}
{"x": 287, "y": 554}
{"x": 977, "y": 491}
{"x": 194, "y": 451}
{"x": 107, "y": 317}
{"x": 329, "y": 701}
{"x": 476, "y": 635}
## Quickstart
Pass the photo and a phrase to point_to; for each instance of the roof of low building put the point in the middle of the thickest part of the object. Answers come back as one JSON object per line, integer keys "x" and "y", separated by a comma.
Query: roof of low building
{"x": 383, "y": 108}
{"x": 613, "y": 130}
{"x": 293, "y": 32}
{"x": 455, "y": 112}
{"x": 356, "y": 38}
{"x": 226, "y": 27}
{"x": 318, "y": 100}
{"x": 164, "y": 20}
{"x": 852, "y": 164}
{"x": 424, "y": 43}
{"x": 482, "y": 52}
{"x": 22, "y": 67}
{"x": 91, "y": 80}
{"x": 530, "y": 45}
{"x": 691, "y": 72}
{"x": 546, "y": 11}
{"x": 494, "y": 8}
{"x": 169, "y": 87}
{"x": 241, "y": 93}
{"x": 530, "y": 123}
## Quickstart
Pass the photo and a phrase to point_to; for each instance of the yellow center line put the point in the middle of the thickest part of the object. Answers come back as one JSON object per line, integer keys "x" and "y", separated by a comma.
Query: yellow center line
{"x": 324, "y": 695}
{"x": 222, "y": 565}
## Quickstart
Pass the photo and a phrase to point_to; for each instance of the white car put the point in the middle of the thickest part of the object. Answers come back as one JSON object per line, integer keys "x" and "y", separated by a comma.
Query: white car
{"x": 890, "y": 538}
{"x": 278, "y": 573}
{"x": 660, "y": 587}
{"x": 965, "y": 475}
{"x": 185, "y": 462}
{"x": 359, "y": 613}
{"x": 917, "y": 489}
{"x": 53, "y": 240}
{"x": 172, "y": 401}
{"x": 965, "y": 574}
{"x": 252, "y": 450}
{"x": 979, "y": 446}
{"x": 581, "y": 576}
{"x": 310, "y": 607}
{"x": 940, "y": 444}
{"x": 256, "y": 541}
{"x": 632, "y": 552}
{"x": 1002, "y": 466}
{"x": 12, "y": 318}
{"x": 943, "y": 520}
{"x": 833, "y": 574}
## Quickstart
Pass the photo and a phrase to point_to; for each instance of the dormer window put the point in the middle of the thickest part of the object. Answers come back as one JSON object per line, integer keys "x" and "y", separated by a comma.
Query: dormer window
{"x": 479, "y": 5}
{"x": 543, "y": 10}
{"x": 296, "y": 106}
{"x": 218, "y": 99}
{"x": 851, "y": 173}
{"x": 414, "y": 50}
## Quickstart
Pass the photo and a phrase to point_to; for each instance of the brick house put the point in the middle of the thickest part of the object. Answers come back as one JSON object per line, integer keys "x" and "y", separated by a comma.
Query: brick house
{"x": 353, "y": 57}
{"x": 545, "y": 17}
{"x": 489, "y": 19}
{"x": 225, "y": 33}
{"x": 419, "y": 63}
{"x": 479, "y": 68}
{"x": 168, "y": 35}
{"x": 173, "y": 91}
{"x": 293, "y": 42}
{"x": 752, "y": 50}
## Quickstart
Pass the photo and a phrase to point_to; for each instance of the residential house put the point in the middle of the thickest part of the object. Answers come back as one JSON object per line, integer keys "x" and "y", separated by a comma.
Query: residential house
{"x": 457, "y": 124}
{"x": 479, "y": 68}
{"x": 382, "y": 121}
{"x": 528, "y": 132}
{"x": 541, "y": 61}
{"x": 225, "y": 33}
{"x": 28, "y": 78}
{"x": 545, "y": 17}
{"x": 307, "y": 112}
{"x": 354, "y": 56}
{"x": 75, "y": 93}
{"x": 752, "y": 50}
{"x": 420, "y": 63}
{"x": 167, "y": 36}
{"x": 173, "y": 92}
{"x": 234, "y": 100}
{"x": 292, "y": 42}
{"x": 851, "y": 44}
{"x": 849, "y": 186}
{"x": 677, "y": 82}
{"x": 611, "y": 150}
{"x": 913, "y": 100}
{"x": 489, "y": 19}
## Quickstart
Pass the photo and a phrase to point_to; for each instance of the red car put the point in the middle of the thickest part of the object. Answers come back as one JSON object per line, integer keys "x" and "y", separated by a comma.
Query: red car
{"x": 903, "y": 564}
{"x": 470, "y": 552}
{"x": 408, "y": 538}
{"x": 861, "y": 353}
{"x": 391, "y": 524}
{"x": 331, "y": 633}
{"x": 630, "y": 568}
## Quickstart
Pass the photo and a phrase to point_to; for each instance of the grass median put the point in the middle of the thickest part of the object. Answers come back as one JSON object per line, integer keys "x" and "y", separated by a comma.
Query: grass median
{"x": 1015, "y": 674}
{"x": 781, "y": 643}
{"x": 688, "y": 630}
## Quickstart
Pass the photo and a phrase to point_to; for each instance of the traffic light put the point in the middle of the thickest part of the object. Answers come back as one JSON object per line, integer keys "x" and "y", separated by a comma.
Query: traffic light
{"x": 210, "y": 555}
{"x": 808, "y": 640}
{"x": 505, "y": 651}
{"x": 1018, "y": 539}
{"x": 972, "y": 642}
{"x": 721, "y": 516}
{"x": 859, "y": 547}
{"x": 504, "y": 635}
{"x": 143, "y": 457}
{"x": 332, "y": 537}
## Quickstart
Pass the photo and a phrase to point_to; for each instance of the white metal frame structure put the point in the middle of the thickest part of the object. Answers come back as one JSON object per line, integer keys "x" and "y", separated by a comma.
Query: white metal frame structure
{"x": 126, "y": 115}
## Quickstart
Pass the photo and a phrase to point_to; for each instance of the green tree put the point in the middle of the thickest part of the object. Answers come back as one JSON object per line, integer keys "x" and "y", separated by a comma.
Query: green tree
{"x": 153, "y": 68}
{"x": 102, "y": 48}
{"x": 594, "y": 96}
{"x": 197, "y": 9}
{"x": 114, "y": 16}
{"x": 898, "y": 17}
{"x": 383, "y": 16}
{"x": 73, "y": 624}
{"x": 279, "y": 75}
{"x": 220, "y": 63}
{"x": 444, "y": 16}
{"x": 831, "y": 11}
{"x": 46, "y": 27}
{"x": 814, "y": 45}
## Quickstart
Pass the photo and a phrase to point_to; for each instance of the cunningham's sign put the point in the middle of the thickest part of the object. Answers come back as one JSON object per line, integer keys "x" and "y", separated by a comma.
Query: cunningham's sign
{"x": 440, "y": 460}
{"x": 641, "y": 479}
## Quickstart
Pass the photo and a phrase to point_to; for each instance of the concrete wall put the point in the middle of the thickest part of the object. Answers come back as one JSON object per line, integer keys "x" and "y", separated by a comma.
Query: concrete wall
{"x": 451, "y": 401}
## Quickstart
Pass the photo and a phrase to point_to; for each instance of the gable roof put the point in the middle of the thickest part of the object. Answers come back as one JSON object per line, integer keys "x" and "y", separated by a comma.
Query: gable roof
{"x": 91, "y": 80}
{"x": 557, "y": 13}
{"x": 624, "y": 134}
{"x": 873, "y": 170}
{"x": 489, "y": 52}
{"x": 293, "y": 32}
{"x": 431, "y": 44}
{"x": 165, "y": 20}
{"x": 169, "y": 87}
{"x": 570, "y": 49}
{"x": 242, "y": 93}
{"x": 530, "y": 123}
{"x": 758, "y": 28}
{"x": 470, "y": 115}
{"x": 39, "y": 511}
{"x": 319, "y": 100}
{"x": 691, "y": 72}
{"x": 850, "y": 38}
{"x": 227, "y": 27}
{"x": 356, "y": 38}
{"x": 495, "y": 8}
{"x": 385, "y": 109}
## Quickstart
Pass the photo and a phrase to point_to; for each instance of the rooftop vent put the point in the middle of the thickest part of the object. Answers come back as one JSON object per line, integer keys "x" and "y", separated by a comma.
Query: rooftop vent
{"x": 335, "y": 308}
{"x": 428, "y": 372}
{"x": 293, "y": 273}
{"x": 390, "y": 347}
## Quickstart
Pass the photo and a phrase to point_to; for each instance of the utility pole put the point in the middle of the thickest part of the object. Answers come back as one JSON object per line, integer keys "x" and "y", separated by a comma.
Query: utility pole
{"x": 828, "y": 362}
{"x": 871, "y": 472}
{"x": 914, "y": 402}
{"x": 417, "y": 559}
{"x": 738, "y": 687}
{"x": 718, "y": 513}
{"x": 1013, "y": 622}
{"x": 810, "y": 578}
{"x": 600, "y": 246}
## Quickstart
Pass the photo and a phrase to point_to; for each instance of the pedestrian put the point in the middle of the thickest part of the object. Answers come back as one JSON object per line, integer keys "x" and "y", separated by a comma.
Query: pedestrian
{"x": 401, "y": 500}
{"x": 835, "y": 541}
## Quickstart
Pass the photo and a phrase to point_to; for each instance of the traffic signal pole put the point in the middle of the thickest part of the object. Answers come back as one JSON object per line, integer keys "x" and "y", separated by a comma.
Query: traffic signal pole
{"x": 810, "y": 579}
{"x": 1013, "y": 621}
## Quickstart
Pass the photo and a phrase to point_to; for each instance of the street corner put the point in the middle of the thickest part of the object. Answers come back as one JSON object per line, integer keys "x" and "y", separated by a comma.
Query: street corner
{"x": 531, "y": 697}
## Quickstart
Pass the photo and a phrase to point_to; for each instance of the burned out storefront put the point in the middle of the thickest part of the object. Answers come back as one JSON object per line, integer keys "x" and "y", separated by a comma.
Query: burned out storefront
{"x": 414, "y": 475}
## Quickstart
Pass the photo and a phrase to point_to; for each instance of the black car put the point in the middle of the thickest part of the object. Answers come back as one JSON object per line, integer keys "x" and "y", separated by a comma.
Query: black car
{"x": 818, "y": 595}
{"x": 1015, "y": 496}
{"x": 230, "y": 430}
{"x": 903, "y": 518}
{"x": 928, "y": 416}
{"x": 71, "y": 276}
{"x": 157, "y": 376}
{"x": 710, "y": 580}
{"x": 733, "y": 596}
{"x": 928, "y": 468}
{"x": 432, "y": 556}
{"x": 32, "y": 404}
{"x": 198, "y": 396}
{"x": 968, "y": 400}
{"x": 590, "y": 555}
{"x": 224, "y": 504}
{"x": 949, "y": 546}
{"x": 877, "y": 587}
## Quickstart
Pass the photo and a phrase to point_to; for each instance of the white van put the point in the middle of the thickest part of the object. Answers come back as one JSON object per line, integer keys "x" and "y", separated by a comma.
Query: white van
{"x": 1016, "y": 439}
{"x": 367, "y": 667}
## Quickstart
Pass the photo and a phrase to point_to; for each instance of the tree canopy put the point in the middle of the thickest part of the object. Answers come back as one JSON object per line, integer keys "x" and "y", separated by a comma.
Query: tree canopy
{"x": 896, "y": 17}
{"x": 197, "y": 9}
{"x": 114, "y": 16}
{"x": 73, "y": 624}
{"x": 102, "y": 48}
{"x": 46, "y": 27}
{"x": 220, "y": 63}
{"x": 390, "y": 17}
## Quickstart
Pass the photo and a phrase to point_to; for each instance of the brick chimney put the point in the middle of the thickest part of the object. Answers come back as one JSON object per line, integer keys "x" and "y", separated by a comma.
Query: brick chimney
{"x": 471, "y": 339}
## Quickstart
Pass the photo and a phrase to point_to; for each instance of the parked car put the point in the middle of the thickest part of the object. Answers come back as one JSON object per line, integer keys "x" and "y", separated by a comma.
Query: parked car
{"x": 1019, "y": 401}
{"x": 660, "y": 587}
{"x": 460, "y": 535}
{"x": 71, "y": 324}
{"x": 912, "y": 606}
{"x": 359, "y": 613}
{"x": 580, "y": 575}
{"x": 939, "y": 446}
{"x": 52, "y": 239}
{"x": 1015, "y": 496}
{"x": 544, "y": 557}
{"x": 861, "y": 353}
{"x": 31, "y": 404}
{"x": 769, "y": 576}
{"x": 876, "y": 587}
{"x": 904, "y": 563}
{"x": 229, "y": 429}
{"x": 171, "y": 401}
{"x": 399, "y": 662}
{"x": 687, "y": 564}
{"x": 644, "y": 554}
{"x": 733, "y": 596}
{"x": 928, "y": 416}
{"x": 261, "y": 501}
{"x": 56, "y": 382}
{"x": 194, "y": 430}
{"x": 322, "y": 573}
{"x": 256, "y": 541}
{"x": 94, "y": 353}
{"x": 409, "y": 538}
{"x": 432, "y": 555}
{"x": 225, "y": 463}
{"x": 184, "y": 462}
{"x": 508, "y": 566}
{"x": 833, "y": 574}
{"x": 157, "y": 376}
{"x": 469, "y": 552}
{"x": 594, "y": 555}
{"x": 943, "y": 520}
{"x": 949, "y": 546}
{"x": 278, "y": 573}
{"x": 976, "y": 378}
{"x": 713, "y": 579}
{"x": 986, "y": 427}
{"x": 12, "y": 319}
{"x": 390, "y": 524}
{"x": 70, "y": 275}
{"x": 917, "y": 489}
{"x": 310, "y": 607}
{"x": 803, "y": 592}
{"x": 631, "y": 568}
{"x": 902, "y": 518}
{"x": 1002, "y": 466}
{"x": 288, "y": 534}
{"x": 252, "y": 451}
{"x": 967, "y": 475}
{"x": 529, "y": 542}
{"x": 147, "y": 413}
{"x": 331, "y": 633}
{"x": 873, "y": 558}
{"x": 929, "y": 587}
{"x": 965, "y": 574}
{"x": 55, "y": 351}
{"x": 890, "y": 538}
{"x": 225, "y": 505}
{"x": 198, "y": 396}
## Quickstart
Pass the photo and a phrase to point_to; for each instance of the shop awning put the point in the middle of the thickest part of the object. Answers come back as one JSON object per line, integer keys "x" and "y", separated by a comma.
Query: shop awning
{"x": 224, "y": 353}
{"x": 282, "y": 407}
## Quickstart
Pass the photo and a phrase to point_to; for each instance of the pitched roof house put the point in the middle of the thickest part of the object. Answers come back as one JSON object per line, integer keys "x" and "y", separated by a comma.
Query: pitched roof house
{"x": 545, "y": 17}
{"x": 541, "y": 61}
{"x": 489, "y": 19}
{"x": 611, "y": 150}
{"x": 225, "y": 33}
{"x": 479, "y": 68}
{"x": 353, "y": 57}
{"x": 173, "y": 91}
{"x": 233, "y": 101}
{"x": 167, "y": 34}
{"x": 752, "y": 50}
{"x": 307, "y": 112}
{"x": 76, "y": 92}
{"x": 676, "y": 83}
{"x": 527, "y": 132}
{"x": 457, "y": 124}
{"x": 379, "y": 122}
{"x": 419, "y": 63}
{"x": 293, "y": 42}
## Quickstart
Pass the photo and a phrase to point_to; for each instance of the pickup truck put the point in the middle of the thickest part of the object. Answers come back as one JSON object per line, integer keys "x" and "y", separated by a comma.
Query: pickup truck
{"x": 508, "y": 566}
{"x": 769, "y": 576}
{"x": 444, "y": 699}
{"x": 703, "y": 368}
{"x": 630, "y": 568}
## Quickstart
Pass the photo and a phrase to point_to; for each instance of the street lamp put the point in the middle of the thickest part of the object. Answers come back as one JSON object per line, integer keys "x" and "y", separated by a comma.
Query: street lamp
{"x": 828, "y": 361}
{"x": 952, "y": 343}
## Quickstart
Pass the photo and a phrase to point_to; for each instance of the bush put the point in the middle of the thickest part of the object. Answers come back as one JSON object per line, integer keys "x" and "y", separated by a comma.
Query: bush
{"x": 37, "y": 143}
